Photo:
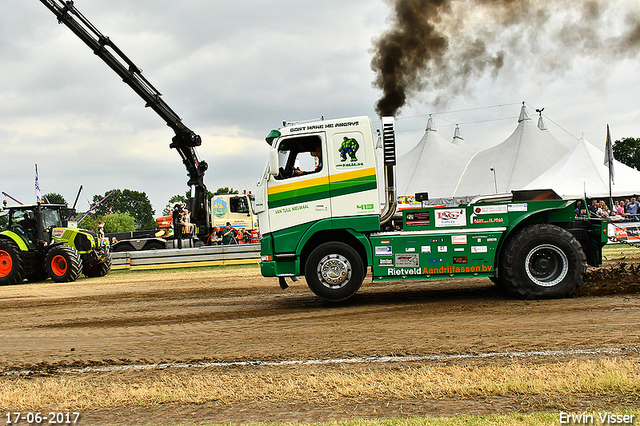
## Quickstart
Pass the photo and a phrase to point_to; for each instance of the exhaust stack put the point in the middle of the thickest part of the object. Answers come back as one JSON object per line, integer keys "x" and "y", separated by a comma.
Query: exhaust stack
{"x": 389, "y": 157}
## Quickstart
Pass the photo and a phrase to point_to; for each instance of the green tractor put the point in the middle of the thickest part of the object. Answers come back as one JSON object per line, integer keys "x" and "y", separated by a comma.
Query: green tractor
{"x": 36, "y": 243}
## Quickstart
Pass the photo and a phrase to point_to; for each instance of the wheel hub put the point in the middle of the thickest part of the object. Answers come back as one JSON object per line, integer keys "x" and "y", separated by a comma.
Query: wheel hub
{"x": 546, "y": 265}
{"x": 334, "y": 271}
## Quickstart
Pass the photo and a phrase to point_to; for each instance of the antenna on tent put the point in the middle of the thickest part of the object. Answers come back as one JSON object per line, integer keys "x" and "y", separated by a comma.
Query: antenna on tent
{"x": 539, "y": 111}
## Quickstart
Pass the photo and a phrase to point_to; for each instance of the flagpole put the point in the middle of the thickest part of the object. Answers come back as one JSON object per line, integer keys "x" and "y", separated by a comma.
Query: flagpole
{"x": 609, "y": 157}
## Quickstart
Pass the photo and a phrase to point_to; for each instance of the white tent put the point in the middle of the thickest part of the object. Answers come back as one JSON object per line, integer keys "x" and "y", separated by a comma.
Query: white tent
{"x": 512, "y": 164}
{"x": 432, "y": 166}
{"x": 582, "y": 170}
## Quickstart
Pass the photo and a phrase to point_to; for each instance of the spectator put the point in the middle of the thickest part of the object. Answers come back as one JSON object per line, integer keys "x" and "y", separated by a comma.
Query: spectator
{"x": 619, "y": 209}
{"x": 228, "y": 236}
{"x": 593, "y": 208}
{"x": 214, "y": 238}
{"x": 632, "y": 209}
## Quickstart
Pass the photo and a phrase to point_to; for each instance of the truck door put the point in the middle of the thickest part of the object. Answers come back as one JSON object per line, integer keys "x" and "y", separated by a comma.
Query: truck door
{"x": 299, "y": 193}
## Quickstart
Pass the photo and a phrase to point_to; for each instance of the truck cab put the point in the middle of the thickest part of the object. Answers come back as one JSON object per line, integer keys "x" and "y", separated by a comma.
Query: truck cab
{"x": 237, "y": 209}
{"x": 330, "y": 195}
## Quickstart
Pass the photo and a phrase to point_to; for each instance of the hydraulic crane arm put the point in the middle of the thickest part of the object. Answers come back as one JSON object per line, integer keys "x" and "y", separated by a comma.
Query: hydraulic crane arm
{"x": 184, "y": 141}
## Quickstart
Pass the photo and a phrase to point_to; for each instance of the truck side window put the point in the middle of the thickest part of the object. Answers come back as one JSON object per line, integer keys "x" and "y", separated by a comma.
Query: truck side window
{"x": 238, "y": 205}
{"x": 300, "y": 156}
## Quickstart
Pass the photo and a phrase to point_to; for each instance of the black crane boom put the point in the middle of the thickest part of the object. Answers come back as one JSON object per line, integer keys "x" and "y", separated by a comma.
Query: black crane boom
{"x": 185, "y": 139}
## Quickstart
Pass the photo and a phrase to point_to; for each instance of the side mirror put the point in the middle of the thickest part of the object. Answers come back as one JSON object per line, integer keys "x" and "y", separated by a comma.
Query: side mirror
{"x": 274, "y": 164}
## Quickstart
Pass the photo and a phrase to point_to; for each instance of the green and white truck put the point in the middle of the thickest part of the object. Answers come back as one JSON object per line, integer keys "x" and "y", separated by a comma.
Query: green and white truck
{"x": 325, "y": 222}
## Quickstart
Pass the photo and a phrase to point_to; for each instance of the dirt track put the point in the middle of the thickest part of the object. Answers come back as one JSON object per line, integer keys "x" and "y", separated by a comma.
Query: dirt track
{"x": 235, "y": 314}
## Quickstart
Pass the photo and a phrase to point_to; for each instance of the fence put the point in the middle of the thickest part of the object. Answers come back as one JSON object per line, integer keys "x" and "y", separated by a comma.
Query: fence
{"x": 188, "y": 257}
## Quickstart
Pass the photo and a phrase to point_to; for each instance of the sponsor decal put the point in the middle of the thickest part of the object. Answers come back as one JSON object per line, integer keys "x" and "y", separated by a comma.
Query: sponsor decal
{"x": 479, "y": 249}
{"x": 492, "y": 239}
{"x": 386, "y": 261}
{"x": 436, "y": 260}
{"x": 324, "y": 126}
{"x": 220, "y": 207}
{"x": 403, "y": 271}
{"x": 518, "y": 207}
{"x": 410, "y": 249}
{"x": 497, "y": 209}
{"x": 425, "y": 249}
{"x": 384, "y": 250}
{"x": 436, "y": 240}
{"x": 358, "y": 164}
{"x": 365, "y": 207}
{"x": 456, "y": 269}
{"x": 442, "y": 249}
{"x": 460, "y": 259}
{"x": 349, "y": 147}
{"x": 450, "y": 217}
{"x": 385, "y": 242}
{"x": 407, "y": 260}
{"x": 458, "y": 249}
{"x": 489, "y": 220}
{"x": 418, "y": 219}
{"x": 458, "y": 239}
{"x": 291, "y": 209}
{"x": 57, "y": 233}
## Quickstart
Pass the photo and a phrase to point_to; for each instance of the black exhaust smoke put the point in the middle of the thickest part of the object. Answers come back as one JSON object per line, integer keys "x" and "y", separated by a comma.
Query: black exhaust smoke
{"x": 440, "y": 47}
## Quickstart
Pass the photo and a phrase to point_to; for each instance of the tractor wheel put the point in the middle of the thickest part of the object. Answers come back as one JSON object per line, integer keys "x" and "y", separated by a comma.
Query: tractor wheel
{"x": 334, "y": 271}
{"x": 63, "y": 264}
{"x": 98, "y": 269}
{"x": 542, "y": 261}
{"x": 11, "y": 263}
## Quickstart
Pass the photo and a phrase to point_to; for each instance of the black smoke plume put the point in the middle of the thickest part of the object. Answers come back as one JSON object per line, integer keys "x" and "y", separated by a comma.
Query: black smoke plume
{"x": 438, "y": 48}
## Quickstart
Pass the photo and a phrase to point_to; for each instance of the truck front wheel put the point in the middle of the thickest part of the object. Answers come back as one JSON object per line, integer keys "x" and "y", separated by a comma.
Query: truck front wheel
{"x": 11, "y": 263}
{"x": 63, "y": 264}
{"x": 542, "y": 261}
{"x": 334, "y": 271}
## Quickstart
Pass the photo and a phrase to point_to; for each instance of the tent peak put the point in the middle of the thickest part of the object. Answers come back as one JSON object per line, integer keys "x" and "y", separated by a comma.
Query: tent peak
{"x": 524, "y": 115}
{"x": 431, "y": 124}
{"x": 457, "y": 134}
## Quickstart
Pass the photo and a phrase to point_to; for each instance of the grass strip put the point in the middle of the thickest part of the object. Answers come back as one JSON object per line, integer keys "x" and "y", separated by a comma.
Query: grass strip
{"x": 610, "y": 376}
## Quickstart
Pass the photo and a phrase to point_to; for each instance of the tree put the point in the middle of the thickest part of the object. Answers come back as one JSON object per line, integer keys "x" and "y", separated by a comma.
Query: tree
{"x": 226, "y": 190}
{"x": 135, "y": 203}
{"x": 55, "y": 198}
{"x": 184, "y": 199}
{"x": 627, "y": 151}
{"x": 113, "y": 222}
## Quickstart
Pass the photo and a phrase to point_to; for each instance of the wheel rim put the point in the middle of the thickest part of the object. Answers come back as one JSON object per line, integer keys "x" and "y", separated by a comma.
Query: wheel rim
{"x": 546, "y": 265}
{"x": 334, "y": 271}
{"x": 59, "y": 265}
{"x": 6, "y": 263}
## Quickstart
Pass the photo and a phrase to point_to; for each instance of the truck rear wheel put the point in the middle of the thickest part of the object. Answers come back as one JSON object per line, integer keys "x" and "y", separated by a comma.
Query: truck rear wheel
{"x": 97, "y": 270}
{"x": 334, "y": 271}
{"x": 11, "y": 263}
{"x": 542, "y": 261}
{"x": 63, "y": 264}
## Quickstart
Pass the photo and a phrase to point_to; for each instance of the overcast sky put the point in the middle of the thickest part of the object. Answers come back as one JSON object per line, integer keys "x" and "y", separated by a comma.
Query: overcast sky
{"x": 235, "y": 70}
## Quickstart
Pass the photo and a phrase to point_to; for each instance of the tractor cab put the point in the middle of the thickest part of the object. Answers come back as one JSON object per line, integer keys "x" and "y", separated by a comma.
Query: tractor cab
{"x": 34, "y": 223}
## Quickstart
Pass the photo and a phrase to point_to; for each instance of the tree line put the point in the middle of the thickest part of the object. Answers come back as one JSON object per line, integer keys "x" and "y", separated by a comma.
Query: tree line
{"x": 127, "y": 210}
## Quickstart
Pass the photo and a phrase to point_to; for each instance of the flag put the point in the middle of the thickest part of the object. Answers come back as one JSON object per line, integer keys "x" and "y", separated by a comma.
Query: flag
{"x": 38, "y": 199}
{"x": 608, "y": 155}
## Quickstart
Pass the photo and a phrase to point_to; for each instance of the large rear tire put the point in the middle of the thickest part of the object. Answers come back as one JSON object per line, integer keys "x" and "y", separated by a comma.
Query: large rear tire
{"x": 542, "y": 261}
{"x": 11, "y": 263}
{"x": 63, "y": 264}
{"x": 98, "y": 269}
{"x": 334, "y": 271}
